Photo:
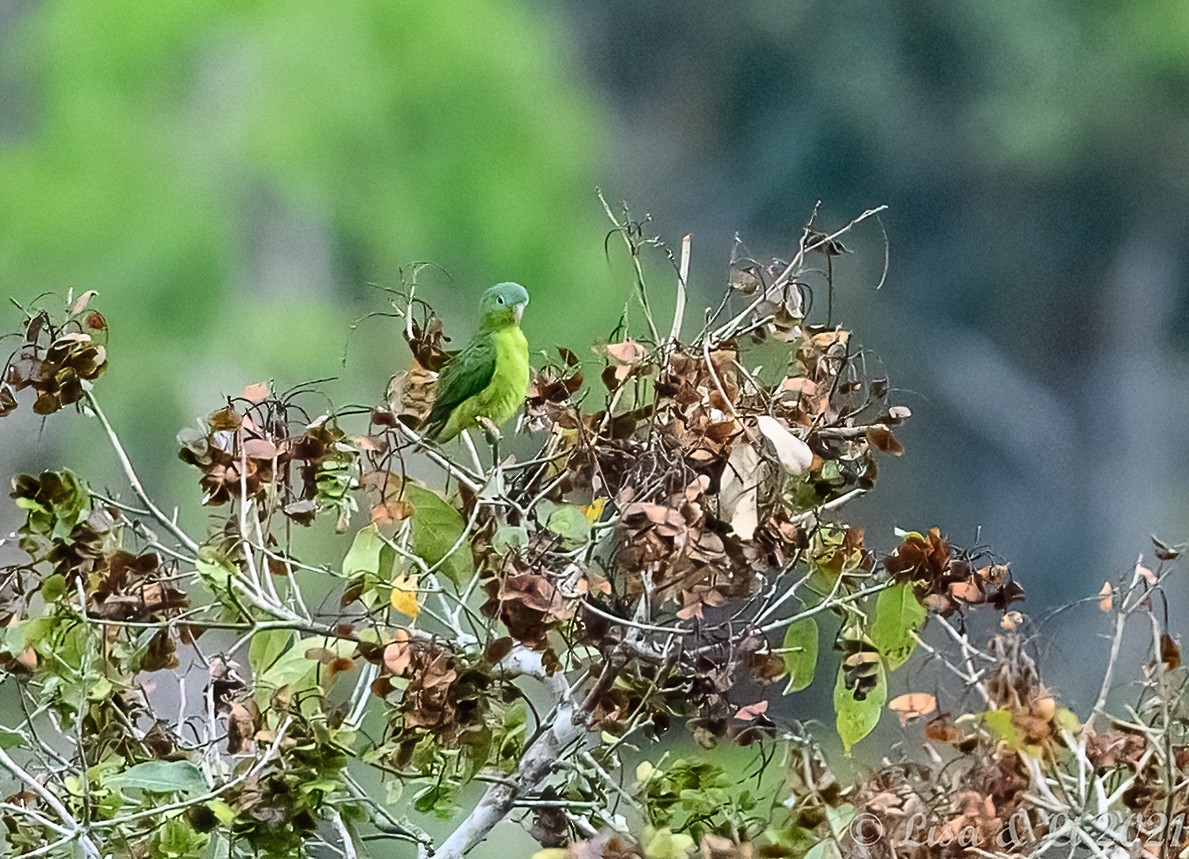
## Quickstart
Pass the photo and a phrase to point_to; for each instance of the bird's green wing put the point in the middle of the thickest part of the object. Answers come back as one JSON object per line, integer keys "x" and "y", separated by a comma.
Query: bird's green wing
{"x": 466, "y": 374}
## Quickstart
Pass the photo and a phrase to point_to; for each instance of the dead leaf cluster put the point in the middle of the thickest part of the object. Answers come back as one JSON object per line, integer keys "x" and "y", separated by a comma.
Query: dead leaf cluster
{"x": 56, "y": 361}
{"x": 946, "y": 581}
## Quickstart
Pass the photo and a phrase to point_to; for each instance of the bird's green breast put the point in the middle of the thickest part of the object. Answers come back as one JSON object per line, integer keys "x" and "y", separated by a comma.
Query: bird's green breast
{"x": 504, "y": 395}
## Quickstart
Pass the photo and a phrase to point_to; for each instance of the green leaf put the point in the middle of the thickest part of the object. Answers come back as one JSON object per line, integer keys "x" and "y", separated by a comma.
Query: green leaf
{"x": 162, "y": 777}
{"x": 12, "y": 739}
{"x": 224, "y": 813}
{"x": 56, "y": 501}
{"x": 176, "y": 839}
{"x": 898, "y": 614}
{"x": 800, "y": 653}
{"x": 508, "y": 538}
{"x": 217, "y": 575}
{"x": 53, "y": 588}
{"x": 365, "y": 553}
{"x": 436, "y": 531}
{"x": 511, "y": 734}
{"x": 291, "y": 667}
{"x": 266, "y": 648}
{"x": 98, "y": 688}
{"x": 666, "y": 844}
{"x": 999, "y": 722}
{"x": 437, "y": 799}
{"x": 856, "y": 719}
{"x": 565, "y": 520}
{"x": 1067, "y": 720}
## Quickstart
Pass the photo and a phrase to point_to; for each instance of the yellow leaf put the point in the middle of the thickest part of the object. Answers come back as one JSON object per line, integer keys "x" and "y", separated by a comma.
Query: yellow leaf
{"x": 594, "y": 510}
{"x": 404, "y": 595}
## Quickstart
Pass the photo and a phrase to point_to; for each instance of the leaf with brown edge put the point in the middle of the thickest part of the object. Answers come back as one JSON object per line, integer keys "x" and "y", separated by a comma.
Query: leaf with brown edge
{"x": 940, "y": 729}
{"x": 95, "y": 323}
{"x": 883, "y": 440}
{"x": 241, "y": 728}
{"x": 404, "y": 595}
{"x": 224, "y": 419}
{"x": 1170, "y": 652}
{"x": 856, "y": 716}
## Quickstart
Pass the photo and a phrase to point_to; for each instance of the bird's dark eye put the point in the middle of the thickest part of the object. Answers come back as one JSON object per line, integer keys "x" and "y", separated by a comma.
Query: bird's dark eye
{"x": 500, "y": 300}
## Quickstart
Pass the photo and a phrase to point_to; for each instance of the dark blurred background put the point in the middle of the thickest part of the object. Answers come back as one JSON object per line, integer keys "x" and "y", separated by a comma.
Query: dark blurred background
{"x": 232, "y": 177}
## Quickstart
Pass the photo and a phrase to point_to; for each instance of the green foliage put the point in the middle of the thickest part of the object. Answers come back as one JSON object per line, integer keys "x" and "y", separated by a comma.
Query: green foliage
{"x": 694, "y": 797}
{"x": 239, "y": 134}
{"x": 291, "y": 670}
{"x": 180, "y": 777}
{"x": 800, "y": 653}
{"x": 665, "y": 844}
{"x": 55, "y": 503}
{"x": 857, "y": 715}
{"x": 178, "y": 839}
{"x": 267, "y": 647}
{"x": 437, "y": 534}
{"x": 566, "y": 521}
{"x": 898, "y": 616}
{"x": 369, "y": 560}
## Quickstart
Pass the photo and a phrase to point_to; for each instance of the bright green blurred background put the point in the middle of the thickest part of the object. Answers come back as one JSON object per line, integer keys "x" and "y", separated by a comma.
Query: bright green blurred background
{"x": 231, "y": 177}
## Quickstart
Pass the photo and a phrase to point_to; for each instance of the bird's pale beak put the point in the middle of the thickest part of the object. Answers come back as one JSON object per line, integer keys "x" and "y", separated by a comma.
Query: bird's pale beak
{"x": 518, "y": 309}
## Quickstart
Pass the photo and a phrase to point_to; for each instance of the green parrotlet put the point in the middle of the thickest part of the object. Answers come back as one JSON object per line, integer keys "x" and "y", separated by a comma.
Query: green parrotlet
{"x": 488, "y": 378}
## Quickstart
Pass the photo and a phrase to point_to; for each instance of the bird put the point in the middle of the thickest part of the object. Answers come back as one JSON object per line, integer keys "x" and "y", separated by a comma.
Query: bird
{"x": 489, "y": 378}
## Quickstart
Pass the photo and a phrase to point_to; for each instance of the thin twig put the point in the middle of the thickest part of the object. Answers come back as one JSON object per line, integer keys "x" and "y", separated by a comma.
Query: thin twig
{"x": 729, "y": 328}
{"x": 46, "y": 796}
{"x": 682, "y": 291}
{"x": 134, "y": 481}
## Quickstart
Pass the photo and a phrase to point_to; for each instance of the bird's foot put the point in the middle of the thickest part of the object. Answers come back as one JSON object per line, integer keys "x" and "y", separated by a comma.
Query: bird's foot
{"x": 490, "y": 431}
{"x": 493, "y": 436}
